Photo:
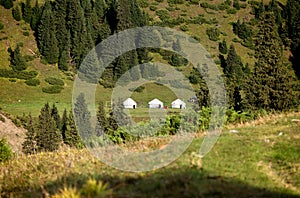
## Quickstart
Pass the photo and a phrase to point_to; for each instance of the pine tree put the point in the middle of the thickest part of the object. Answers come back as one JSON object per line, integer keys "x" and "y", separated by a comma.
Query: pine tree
{"x": 234, "y": 65}
{"x": 55, "y": 116}
{"x": 27, "y": 11}
{"x": 64, "y": 126}
{"x": 223, "y": 47}
{"x": 47, "y": 41}
{"x": 102, "y": 120}
{"x": 29, "y": 145}
{"x": 273, "y": 85}
{"x": 7, "y": 4}
{"x": 16, "y": 12}
{"x": 36, "y": 16}
{"x": 83, "y": 118}
{"x": 72, "y": 138}
{"x": 17, "y": 61}
{"x": 48, "y": 137}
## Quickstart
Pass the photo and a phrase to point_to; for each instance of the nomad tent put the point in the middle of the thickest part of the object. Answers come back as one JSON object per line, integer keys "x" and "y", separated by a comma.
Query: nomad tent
{"x": 178, "y": 104}
{"x": 155, "y": 103}
{"x": 129, "y": 104}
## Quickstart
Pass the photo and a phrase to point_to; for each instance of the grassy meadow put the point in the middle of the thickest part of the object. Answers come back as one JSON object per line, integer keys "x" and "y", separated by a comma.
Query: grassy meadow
{"x": 261, "y": 160}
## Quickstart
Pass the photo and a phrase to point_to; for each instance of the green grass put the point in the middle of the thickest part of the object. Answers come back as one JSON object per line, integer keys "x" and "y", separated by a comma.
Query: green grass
{"x": 256, "y": 162}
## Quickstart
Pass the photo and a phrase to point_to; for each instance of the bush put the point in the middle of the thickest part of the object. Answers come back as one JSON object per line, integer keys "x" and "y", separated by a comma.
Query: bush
{"x": 1, "y": 25}
{"x": 12, "y": 80}
{"x": 204, "y": 5}
{"x": 52, "y": 89}
{"x": 23, "y": 75}
{"x": 26, "y": 33}
{"x": 196, "y": 2}
{"x": 2, "y": 119}
{"x": 28, "y": 58}
{"x": 170, "y": 9}
{"x": 55, "y": 81}
{"x": 175, "y": 1}
{"x": 184, "y": 28}
{"x": 32, "y": 82}
{"x": 143, "y": 3}
{"x": 7, "y": 4}
{"x": 16, "y": 13}
{"x": 5, "y": 150}
{"x": 231, "y": 11}
{"x": 153, "y": 8}
{"x": 159, "y": 1}
{"x": 213, "y": 34}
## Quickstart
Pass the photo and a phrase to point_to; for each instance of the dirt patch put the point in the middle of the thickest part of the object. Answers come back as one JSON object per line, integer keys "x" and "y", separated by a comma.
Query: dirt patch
{"x": 15, "y": 135}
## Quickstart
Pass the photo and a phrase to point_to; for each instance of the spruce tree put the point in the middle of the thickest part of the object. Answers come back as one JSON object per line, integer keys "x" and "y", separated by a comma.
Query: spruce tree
{"x": 64, "y": 125}
{"x": 83, "y": 118}
{"x": 72, "y": 138}
{"x": 29, "y": 145}
{"x": 47, "y": 41}
{"x": 27, "y": 11}
{"x": 48, "y": 137}
{"x": 273, "y": 85}
{"x": 17, "y": 61}
{"x": 102, "y": 120}
{"x": 36, "y": 16}
{"x": 16, "y": 12}
{"x": 55, "y": 116}
{"x": 7, "y": 4}
{"x": 223, "y": 47}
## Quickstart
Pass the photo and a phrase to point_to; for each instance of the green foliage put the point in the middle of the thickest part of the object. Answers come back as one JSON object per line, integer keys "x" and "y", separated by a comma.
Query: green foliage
{"x": 16, "y": 12}
{"x": 175, "y": 1}
{"x": 153, "y": 8}
{"x": 24, "y": 75}
{"x": 29, "y": 146}
{"x": 236, "y": 4}
{"x": 223, "y": 47}
{"x": 231, "y": 11}
{"x": 213, "y": 33}
{"x": 274, "y": 82}
{"x": 7, "y": 4}
{"x": 48, "y": 137}
{"x": 94, "y": 188}
{"x": 26, "y": 33}
{"x": 1, "y": 25}
{"x": 33, "y": 82}
{"x": 53, "y": 89}
{"x": 242, "y": 30}
{"x": 27, "y": 11}
{"x": 69, "y": 131}
{"x": 2, "y": 119}
{"x": 5, "y": 150}
{"x": 54, "y": 81}
{"x": 17, "y": 62}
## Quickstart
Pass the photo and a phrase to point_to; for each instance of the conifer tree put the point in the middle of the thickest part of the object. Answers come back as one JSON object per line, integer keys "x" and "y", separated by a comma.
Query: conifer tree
{"x": 234, "y": 65}
{"x": 17, "y": 61}
{"x": 27, "y": 11}
{"x": 73, "y": 138}
{"x": 48, "y": 137}
{"x": 83, "y": 118}
{"x": 7, "y": 4}
{"x": 55, "y": 116}
{"x": 16, "y": 12}
{"x": 64, "y": 125}
{"x": 236, "y": 4}
{"x": 46, "y": 35}
{"x": 36, "y": 16}
{"x": 223, "y": 47}
{"x": 273, "y": 83}
{"x": 29, "y": 145}
{"x": 102, "y": 120}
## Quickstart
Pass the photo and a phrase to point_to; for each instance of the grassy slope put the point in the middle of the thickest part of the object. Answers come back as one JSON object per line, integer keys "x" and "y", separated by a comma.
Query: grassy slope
{"x": 256, "y": 162}
{"x": 17, "y": 98}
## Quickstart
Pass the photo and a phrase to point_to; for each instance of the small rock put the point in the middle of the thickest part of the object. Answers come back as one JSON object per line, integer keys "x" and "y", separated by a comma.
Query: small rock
{"x": 295, "y": 120}
{"x": 233, "y": 131}
{"x": 280, "y": 134}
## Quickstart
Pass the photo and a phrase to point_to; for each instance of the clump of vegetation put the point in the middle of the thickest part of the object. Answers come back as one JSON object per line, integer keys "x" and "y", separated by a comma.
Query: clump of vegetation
{"x": 5, "y": 150}
{"x": 33, "y": 82}
{"x": 54, "y": 89}
{"x": 1, "y": 25}
{"x": 2, "y": 119}
{"x": 24, "y": 75}
{"x": 55, "y": 81}
{"x": 213, "y": 33}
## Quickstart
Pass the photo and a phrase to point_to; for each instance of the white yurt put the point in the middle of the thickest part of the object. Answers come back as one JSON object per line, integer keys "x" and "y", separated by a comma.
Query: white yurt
{"x": 178, "y": 104}
{"x": 129, "y": 103}
{"x": 155, "y": 103}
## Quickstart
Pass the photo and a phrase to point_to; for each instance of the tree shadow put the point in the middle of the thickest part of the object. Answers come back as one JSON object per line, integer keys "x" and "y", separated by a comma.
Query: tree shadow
{"x": 167, "y": 182}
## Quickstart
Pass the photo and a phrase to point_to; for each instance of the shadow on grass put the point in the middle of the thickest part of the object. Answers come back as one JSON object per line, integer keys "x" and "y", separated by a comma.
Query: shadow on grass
{"x": 168, "y": 182}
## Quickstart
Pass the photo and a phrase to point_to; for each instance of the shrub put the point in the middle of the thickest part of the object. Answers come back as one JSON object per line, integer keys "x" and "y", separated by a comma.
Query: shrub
{"x": 2, "y": 119}
{"x": 204, "y": 5}
{"x": 163, "y": 15}
{"x": 55, "y": 81}
{"x": 159, "y": 1}
{"x": 7, "y": 4}
{"x": 231, "y": 11}
{"x": 52, "y": 89}
{"x": 153, "y": 8}
{"x": 196, "y": 2}
{"x": 28, "y": 58}
{"x": 1, "y": 25}
{"x": 12, "y": 80}
{"x": 26, "y": 33}
{"x": 243, "y": 5}
{"x": 175, "y": 1}
{"x": 236, "y": 40}
{"x": 184, "y": 28}
{"x": 17, "y": 13}
{"x": 32, "y": 82}
{"x": 5, "y": 150}
{"x": 24, "y": 75}
{"x": 213, "y": 33}
{"x": 170, "y": 9}
{"x": 143, "y": 3}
